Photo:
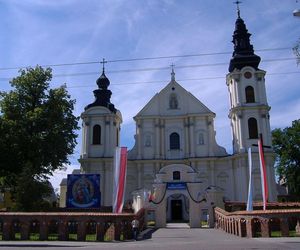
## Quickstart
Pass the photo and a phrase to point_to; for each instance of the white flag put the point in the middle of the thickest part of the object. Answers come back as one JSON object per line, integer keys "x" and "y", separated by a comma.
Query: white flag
{"x": 250, "y": 186}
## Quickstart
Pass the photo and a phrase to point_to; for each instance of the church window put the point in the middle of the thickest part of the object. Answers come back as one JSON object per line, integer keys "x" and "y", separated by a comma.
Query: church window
{"x": 97, "y": 134}
{"x": 173, "y": 102}
{"x": 250, "y": 97}
{"x": 247, "y": 74}
{"x": 201, "y": 139}
{"x": 252, "y": 127}
{"x": 176, "y": 175}
{"x": 148, "y": 141}
{"x": 174, "y": 141}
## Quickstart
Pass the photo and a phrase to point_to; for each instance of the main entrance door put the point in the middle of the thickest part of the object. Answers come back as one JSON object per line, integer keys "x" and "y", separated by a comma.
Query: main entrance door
{"x": 176, "y": 209}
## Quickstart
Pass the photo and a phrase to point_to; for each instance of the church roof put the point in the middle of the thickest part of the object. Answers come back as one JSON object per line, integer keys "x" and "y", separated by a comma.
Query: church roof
{"x": 174, "y": 100}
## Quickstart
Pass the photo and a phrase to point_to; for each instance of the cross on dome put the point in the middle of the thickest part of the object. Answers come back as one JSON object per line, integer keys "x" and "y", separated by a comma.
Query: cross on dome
{"x": 103, "y": 64}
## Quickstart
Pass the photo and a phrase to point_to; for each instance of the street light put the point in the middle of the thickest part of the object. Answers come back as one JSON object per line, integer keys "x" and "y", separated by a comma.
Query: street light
{"x": 296, "y": 12}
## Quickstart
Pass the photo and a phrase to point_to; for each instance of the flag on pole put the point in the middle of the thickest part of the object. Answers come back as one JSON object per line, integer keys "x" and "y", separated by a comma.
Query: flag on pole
{"x": 250, "y": 186}
{"x": 263, "y": 173}
{"x": 120, "y": 166}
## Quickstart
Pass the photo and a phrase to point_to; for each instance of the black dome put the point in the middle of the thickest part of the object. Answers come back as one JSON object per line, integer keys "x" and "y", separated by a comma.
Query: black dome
{"x": 103, "y": 81}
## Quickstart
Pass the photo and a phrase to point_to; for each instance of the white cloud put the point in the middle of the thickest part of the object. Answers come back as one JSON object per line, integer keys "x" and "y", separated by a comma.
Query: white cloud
{"x": 49, "y": 32}
{"x": 58, "y": 175}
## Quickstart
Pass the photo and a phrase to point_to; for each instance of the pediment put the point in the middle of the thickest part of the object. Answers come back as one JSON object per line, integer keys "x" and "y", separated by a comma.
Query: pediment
{"x": 174, "y": 100}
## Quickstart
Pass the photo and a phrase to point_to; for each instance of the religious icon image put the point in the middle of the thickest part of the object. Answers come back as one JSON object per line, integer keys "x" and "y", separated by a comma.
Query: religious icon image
{"x": 83, "y": 190}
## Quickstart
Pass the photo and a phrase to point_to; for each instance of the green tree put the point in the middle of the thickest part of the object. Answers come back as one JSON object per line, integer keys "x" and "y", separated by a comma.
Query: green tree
{"x": 286, "y": 143}
{"x": 37, "y": 134}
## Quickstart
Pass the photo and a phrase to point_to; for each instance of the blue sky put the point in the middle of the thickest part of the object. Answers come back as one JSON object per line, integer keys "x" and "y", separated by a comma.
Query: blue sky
{"x": 75, "y": 31}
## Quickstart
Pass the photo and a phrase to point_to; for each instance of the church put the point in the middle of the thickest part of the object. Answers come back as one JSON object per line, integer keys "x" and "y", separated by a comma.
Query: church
{"x": 175, "y": 153}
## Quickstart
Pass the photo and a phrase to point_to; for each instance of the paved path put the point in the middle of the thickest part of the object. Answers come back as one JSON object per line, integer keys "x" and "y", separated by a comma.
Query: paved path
{"x": 168, "y": 239}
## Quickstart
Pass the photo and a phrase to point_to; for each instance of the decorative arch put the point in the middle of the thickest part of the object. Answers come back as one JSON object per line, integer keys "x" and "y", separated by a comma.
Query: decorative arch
{"x": 250, "y": 95}
{"x": 97, "y": 134}
{"x": 252, "y": 128}
{"x": 174, "y": 141}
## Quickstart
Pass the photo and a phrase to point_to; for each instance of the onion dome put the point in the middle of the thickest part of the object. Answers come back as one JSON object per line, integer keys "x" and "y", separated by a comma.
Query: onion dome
{"x": 103, "y": 81}
{"x": 102, "y": 94}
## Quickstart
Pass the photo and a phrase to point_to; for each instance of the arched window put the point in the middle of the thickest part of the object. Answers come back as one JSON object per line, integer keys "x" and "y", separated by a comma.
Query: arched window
{"x": 176, "y": 175}
{"x": 97, "y": 134}
{"x": 174, "y": 141}
{"x": 201, "y": 139}
{"x": 173, "y": 102}
{"x": 250, "y": 97}
{"x": 147, "y": 140}
{"x": 252, "y": 127}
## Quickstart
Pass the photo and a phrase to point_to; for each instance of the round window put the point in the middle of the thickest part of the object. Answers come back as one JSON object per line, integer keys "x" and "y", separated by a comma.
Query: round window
{"x": 248, "y": 75}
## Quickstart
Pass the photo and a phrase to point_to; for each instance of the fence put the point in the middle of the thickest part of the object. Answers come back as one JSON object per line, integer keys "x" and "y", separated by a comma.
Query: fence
{"x": 81, "y": 226}
{"x": 259, "y": 223}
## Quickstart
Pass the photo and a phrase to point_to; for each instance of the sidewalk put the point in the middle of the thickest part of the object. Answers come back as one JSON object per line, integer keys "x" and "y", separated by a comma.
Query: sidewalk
{"x": 168, "y": 239}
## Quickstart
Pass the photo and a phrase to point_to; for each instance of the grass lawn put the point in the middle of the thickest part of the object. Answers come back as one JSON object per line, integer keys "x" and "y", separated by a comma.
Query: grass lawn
{"x": 52, "y": 236}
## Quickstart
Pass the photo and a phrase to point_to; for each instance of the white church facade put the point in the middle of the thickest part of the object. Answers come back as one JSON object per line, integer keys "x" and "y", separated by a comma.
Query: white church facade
{"x": 175, "y": 152}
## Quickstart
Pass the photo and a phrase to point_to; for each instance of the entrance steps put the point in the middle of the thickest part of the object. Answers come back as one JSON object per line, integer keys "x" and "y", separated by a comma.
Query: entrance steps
{"x": 178, "y": 225}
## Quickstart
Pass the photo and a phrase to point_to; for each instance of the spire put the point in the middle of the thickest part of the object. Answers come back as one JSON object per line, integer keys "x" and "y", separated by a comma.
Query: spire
{"x": 243, "y": 54}
{"x": 172, "y": 73}
{"x": 238, "y": 7}
{"x": 102, "y": 94}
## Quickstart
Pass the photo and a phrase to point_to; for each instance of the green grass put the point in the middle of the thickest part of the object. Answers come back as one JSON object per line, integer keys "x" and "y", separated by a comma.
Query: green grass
{"x": 72, "y": 237}
{"x": 17, "y": 236}
{"x": 53, "y": 236}
{"x": 275, "y": 233}
{"x": 108, "y": 237}
{"x": 34, "y": 236}
{"x": 204, "y": 223}
{"x": 1, "y": 236}
{"x": 257, "y": 234}
{"x": 91, "y": 237}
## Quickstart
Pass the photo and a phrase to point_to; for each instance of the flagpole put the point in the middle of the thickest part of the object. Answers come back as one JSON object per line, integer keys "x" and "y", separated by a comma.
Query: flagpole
{"x": 263, "y": 172}
{"x": 250, "y": 186}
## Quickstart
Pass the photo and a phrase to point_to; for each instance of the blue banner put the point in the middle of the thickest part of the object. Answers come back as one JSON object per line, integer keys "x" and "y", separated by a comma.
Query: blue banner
{"x": 83, "y": 191}
{"x": 176, "y": 185}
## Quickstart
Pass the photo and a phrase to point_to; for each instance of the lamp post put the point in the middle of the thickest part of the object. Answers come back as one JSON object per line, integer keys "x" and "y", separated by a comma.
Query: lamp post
{"x": 296, "y": 12}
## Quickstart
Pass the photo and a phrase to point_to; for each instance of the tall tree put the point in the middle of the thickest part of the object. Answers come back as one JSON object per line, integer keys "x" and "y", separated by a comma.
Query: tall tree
{"x": 286, "y": 143}
{"x": 37, "y": 134}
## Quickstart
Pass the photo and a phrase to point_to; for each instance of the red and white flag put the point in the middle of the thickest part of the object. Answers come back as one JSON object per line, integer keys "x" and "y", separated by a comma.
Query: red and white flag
{"x": 120, "y": 166}
{"x": 263, "y": 172}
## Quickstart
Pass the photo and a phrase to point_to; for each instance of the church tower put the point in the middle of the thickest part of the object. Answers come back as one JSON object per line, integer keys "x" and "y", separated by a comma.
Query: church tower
{"x": 100, "y": 135}
{"x": 249, "y": 113}
{"x": 249, "y": 109}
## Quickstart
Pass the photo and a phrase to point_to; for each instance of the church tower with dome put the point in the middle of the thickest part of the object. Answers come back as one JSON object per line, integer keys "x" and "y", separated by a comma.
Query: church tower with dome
{"x": 101, "y": 123}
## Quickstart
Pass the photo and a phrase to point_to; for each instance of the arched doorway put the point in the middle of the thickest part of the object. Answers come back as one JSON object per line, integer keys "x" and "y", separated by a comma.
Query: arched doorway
{"x": 177, "y": 208}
